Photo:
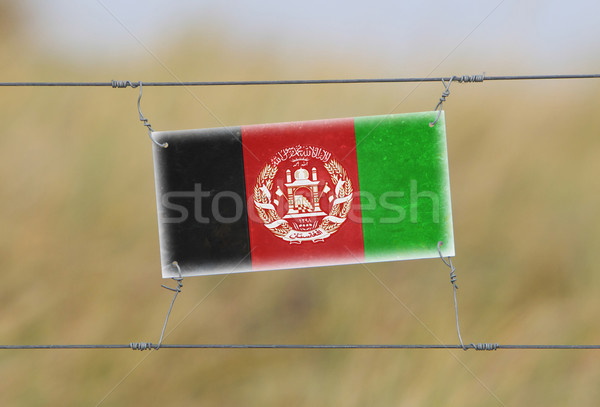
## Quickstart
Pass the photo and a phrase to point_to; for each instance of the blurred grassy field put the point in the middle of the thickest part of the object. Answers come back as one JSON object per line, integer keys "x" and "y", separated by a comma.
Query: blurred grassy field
{"x": 80, "y": 261}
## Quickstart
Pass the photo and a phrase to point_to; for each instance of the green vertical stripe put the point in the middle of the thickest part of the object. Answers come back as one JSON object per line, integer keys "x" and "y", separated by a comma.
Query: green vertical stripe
{"x": 404, "y": 184}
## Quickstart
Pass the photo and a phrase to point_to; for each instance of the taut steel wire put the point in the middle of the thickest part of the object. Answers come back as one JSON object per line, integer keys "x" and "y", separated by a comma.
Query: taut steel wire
{"x": 461, "y": 79}
{"x": 151, "y": 346}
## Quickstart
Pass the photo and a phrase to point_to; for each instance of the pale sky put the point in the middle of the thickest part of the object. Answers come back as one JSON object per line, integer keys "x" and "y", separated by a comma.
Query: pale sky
{"x": 552, "y": 36}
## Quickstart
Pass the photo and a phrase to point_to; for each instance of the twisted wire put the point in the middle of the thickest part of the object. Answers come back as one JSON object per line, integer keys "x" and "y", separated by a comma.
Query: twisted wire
{"x": 143, "y": 119}
{"x": 454, "y": 288}
{"x": 485, "y": 346}
{"x": 124, "y": 84}
{"x": 177, "y": 290}
{"x": 470, "y": 79}
{"x": 141, "y": 346}
{"x": 440, "y": 104}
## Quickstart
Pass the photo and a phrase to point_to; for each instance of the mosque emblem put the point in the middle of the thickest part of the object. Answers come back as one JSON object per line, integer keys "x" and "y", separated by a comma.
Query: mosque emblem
{"x": 303, "y": 194}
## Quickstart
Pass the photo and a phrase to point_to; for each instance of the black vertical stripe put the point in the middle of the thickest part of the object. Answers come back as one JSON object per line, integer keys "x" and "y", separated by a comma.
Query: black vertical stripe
{"x": 201, "y": 198}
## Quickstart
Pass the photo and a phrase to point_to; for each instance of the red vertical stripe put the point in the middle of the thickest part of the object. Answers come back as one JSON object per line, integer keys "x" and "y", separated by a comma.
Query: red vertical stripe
{"x": 314, "y": 237}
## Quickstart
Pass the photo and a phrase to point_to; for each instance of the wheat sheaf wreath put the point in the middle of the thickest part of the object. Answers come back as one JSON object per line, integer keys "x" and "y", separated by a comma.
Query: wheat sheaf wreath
{"x": 281, "y": 228}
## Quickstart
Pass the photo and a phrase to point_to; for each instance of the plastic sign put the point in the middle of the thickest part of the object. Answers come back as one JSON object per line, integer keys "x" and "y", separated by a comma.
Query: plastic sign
{"x": 303, "y": 194}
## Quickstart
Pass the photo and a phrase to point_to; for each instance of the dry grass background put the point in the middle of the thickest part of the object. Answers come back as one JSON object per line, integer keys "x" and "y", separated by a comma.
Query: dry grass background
{"x": 80, "y": 263}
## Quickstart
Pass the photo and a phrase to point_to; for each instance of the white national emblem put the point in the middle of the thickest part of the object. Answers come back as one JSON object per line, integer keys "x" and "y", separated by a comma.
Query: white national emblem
{"x": 293, "y": 181}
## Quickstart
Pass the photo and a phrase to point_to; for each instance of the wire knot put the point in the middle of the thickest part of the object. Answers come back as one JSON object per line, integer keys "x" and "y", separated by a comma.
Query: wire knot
{"x": 124, "y": 84}
{"x": 178, "y": 279}
{"x": 445, "y": 94}
{"x": 440, "y": 104}
{"x": 179, "y": 284}
{"x": 469, "y": 79}
{"x": 141, "y": 346}
{"x": 484, "y": 346}
{"x": 449, "y": 264}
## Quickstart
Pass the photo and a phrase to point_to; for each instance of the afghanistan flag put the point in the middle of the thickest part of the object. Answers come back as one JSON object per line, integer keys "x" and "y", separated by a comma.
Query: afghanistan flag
{"x": 303, "y": 194}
